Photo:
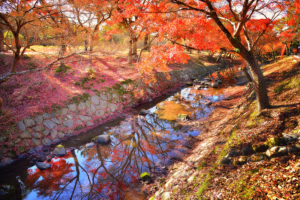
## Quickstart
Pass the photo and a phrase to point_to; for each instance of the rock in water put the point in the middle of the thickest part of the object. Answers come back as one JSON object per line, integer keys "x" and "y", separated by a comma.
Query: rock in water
{"x": 90, "y": 145}
{"x": 102, "y": 139}
{"x": 145, "y": 176}
{"x": 42, "y": 165}
{"x": 60, "y": 151}
{"x": 144, "y": 112}
{"x": 214, "y": 85}
{"x": 208, "y": 103}
{"x": 183, "y": 117}
{"x": 6, "y": 161}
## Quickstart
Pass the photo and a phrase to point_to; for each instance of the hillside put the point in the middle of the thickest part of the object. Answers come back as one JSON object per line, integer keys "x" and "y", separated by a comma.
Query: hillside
{"x": 242, "y": 154}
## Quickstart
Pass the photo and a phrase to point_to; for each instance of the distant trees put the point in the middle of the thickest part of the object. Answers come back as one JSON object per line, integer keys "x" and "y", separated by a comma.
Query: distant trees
{"x": 24, "y": 18}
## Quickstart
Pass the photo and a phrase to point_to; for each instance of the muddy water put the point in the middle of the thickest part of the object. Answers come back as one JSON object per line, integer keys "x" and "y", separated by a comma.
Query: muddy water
{"x": 139, "y": 144}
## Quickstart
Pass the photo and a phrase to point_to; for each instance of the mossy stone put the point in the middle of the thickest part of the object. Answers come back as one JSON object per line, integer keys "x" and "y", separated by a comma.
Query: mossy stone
{"x": 273, "y": 141}
{"x": 260, "y": 147}
{"x": 183, "y": 117}
{"x": 21, "y": 149}
{"x": 12, "y": 154}
{"x": 240, "y": 160}
{"x": 145, "y": 176}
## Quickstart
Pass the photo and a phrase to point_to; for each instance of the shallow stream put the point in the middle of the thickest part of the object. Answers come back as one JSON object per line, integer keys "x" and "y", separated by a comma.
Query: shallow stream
{"x": 139, "y": 144}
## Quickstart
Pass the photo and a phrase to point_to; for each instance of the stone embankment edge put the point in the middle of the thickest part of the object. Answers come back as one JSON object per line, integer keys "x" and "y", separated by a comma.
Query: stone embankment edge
{"x": 87, "y": 112}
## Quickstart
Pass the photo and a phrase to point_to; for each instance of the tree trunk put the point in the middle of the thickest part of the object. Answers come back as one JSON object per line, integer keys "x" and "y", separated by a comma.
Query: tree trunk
{"x": 247, "y": 74}
{"x": 146, "y": 42}
{"x": 1, "y": 41}
{"x": 134, "y": 46}
{"x": 287, "y": 50}
{"x": 219, "y": 57}
{"x": 258, "y": 80}
{"x": 130, "y": 52}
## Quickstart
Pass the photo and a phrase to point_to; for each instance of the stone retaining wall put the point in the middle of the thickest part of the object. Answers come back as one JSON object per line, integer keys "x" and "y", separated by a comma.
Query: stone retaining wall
{"x": 84, "y": 112}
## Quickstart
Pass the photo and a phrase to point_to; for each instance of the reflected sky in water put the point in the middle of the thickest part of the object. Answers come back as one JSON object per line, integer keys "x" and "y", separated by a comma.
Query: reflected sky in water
{"x": 139, "y": 144}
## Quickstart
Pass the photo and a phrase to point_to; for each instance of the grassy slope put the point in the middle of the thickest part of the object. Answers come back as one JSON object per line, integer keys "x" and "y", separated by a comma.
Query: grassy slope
{"x": 235, "y": 123}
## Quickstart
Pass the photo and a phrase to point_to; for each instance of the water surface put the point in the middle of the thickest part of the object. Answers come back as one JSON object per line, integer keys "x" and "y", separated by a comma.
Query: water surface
{"x": 139, "y": 144}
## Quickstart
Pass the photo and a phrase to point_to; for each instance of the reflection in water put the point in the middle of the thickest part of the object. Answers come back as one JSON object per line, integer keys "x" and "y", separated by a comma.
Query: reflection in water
{"x": 139, "y": 144}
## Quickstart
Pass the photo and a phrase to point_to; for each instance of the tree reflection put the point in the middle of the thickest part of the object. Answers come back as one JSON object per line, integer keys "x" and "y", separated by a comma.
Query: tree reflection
{"x": 48, "y": 181}
{"x": 140, "y": 143}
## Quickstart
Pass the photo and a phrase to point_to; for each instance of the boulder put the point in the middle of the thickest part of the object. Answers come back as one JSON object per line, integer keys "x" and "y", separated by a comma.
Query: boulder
{"x": 64, "y": 111}
{"x": 36, "y": 142}
{"x": 112, "y": 107}
{"x": 46, "y": 132}
{"x": 72, "y": 107}
{"x": 102, "y": 139}
{"x": 294, "y": 148}
{"x": 39, "y": 128}
{"x": 208, "y": 103}
{"x": 37, "y": 135}
{"x": 260, "y": 147}
{"x": 12, "y": 154}
{"x": 225, "y": 161}
{"x": 56, "y": 121}
{"x": 25, "y": 135}
{"x": 31, "y": 151}
{"x": 42, "y": 165}
{"x": 69, "y": 123}
{"x": 247, "y": 150}
{"x": 38, "y": 119}
{"x": 257, "y": 157}
{"x": 189, "y": 83}
{"x": 84, "y": 118}
{"x": 46, "y": 142}
{"x": 277, "y": 152}
{"x": 54, "y": 133}
{"x": 47, "y": 116}
{"x": 214, "y": 85}
{"x": 61, "y": 135}
{"x": 103, "y": 104}
{"x": 21, "y": 126}
{"x": 100, "y": 113}
{"x": 56, "y": 140}
{"x": 291, "y": 137}
{"x": 273, "y": 141}
{"x": 95, "y": 100}
{"x": 183, "y": 117}
{"x": 89, "y": 145}
{"x": 240, "y": 160}
{"x": 233, "y": 153}
{"x": 29, "y": 122}
{"x": 81, "y": 106}
{"x": 5, "y": 162}
{"x": 49, "y": 124}
{"x": 89, "y": 123}
{"x": 59, "y": 150}
{"x": 145, "y": 176}
{"x": 144, "y": 112}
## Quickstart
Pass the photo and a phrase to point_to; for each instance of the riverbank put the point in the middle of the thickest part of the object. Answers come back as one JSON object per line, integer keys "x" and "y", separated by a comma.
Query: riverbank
{"x": 66, "y": 108}
{"x": 241, "y": 154}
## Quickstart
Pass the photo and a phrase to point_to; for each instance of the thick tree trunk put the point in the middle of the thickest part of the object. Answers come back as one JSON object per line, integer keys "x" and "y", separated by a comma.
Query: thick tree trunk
{"x": 130, "y": 52}
{"x": 258, "y": 80}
